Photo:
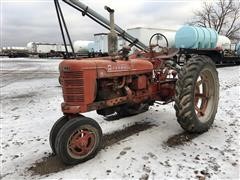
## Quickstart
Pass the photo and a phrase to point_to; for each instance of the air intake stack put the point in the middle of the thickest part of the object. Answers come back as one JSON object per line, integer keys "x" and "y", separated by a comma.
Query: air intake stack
{"x": 112, "y": 36}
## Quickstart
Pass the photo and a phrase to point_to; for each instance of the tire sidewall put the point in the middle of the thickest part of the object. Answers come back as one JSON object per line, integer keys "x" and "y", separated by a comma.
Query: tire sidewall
{"x": 209, "y": 122}
{"x": 185, "y": 94}
{"x": 54, "y": 131}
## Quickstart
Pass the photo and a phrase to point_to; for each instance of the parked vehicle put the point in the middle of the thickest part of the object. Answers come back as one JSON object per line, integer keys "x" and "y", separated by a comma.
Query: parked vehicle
{"x": 128, "y": 85}
{"x": 14, "y": 52}
{"x": 193, "y": 40}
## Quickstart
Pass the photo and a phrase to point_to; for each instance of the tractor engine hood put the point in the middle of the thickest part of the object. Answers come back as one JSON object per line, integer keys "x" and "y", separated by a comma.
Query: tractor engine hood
{"x": 107, "y": 68}
{"x": 78, "y": 78}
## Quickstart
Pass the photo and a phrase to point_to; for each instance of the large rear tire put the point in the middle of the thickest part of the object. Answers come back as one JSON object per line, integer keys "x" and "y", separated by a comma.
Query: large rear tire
{"x": 78, "y": 140}
{"x": 197, "y": 94}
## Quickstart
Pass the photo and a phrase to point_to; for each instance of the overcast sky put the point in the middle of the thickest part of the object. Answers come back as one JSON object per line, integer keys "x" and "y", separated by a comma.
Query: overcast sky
{"x": 23, "y": 21}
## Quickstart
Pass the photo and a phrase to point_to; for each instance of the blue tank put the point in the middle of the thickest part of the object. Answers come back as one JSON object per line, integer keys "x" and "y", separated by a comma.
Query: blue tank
{"x": 238, "y": 48}
{"x": 194, "y": 37}
{"x": 213, "y": 38}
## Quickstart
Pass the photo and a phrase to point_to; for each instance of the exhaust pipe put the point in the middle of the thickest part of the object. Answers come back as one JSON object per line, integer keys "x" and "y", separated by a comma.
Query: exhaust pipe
{"x": 112, "y": 36}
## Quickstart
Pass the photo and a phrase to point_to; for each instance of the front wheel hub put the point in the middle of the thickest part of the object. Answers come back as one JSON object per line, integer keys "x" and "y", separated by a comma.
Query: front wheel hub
{"x": 81, "y": 142}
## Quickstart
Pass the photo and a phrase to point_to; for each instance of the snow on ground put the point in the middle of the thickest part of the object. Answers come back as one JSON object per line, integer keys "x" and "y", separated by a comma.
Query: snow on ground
{"x": 30, "y": 104}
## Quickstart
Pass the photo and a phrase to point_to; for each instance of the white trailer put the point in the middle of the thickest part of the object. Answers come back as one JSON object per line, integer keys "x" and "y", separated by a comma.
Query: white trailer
{"x": 101, "y": 43}
{"x": 14, "y": 51}
{"x": 47, "y": 49}
{"x": 43, "y": 48}
{"x": 144, "y": 34}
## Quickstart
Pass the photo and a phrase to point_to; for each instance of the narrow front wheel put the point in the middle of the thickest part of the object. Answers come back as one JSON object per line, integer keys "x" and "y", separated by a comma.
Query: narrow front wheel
{"x": 78, "y": 140}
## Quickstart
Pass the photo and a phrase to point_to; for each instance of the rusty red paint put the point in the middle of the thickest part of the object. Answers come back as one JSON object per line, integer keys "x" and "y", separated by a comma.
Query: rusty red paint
{"x": 201, "y": 98}
{"x": 97, "y": 83}
{"x": 81, "y": 142}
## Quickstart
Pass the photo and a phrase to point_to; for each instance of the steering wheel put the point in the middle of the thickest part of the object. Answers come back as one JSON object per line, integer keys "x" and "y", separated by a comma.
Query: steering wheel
{"x": 158, "y": 37}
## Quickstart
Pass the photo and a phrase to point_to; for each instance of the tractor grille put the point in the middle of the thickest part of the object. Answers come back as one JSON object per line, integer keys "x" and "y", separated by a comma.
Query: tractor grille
{"x": 76, "y": 74}
{"x": 73, "y": 90}
{"x": 73, "y": 86}
{"x": 73, "y": 82}
{"x": 73, "y": 98}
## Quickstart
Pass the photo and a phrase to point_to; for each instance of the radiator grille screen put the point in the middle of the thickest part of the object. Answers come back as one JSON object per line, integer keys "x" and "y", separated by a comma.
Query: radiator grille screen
{"x": 73, "y": 86}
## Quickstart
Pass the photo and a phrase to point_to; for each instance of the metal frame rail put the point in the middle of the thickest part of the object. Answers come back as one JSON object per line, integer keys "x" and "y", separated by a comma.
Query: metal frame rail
{"x": 85, "y": 10}
{"x": 63, "y": 27}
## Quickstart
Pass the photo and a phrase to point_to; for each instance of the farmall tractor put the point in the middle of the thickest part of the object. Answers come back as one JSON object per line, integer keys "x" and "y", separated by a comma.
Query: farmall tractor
{"x": 127, "y": 85}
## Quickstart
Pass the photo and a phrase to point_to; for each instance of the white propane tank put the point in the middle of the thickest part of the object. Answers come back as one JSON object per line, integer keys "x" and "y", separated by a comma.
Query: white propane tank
{"x": 144, "y": 34}
{"x": 19, "y": 48}
{"x": 223, "y": 42}
{"x": 82, "y": 46}
{"x": 91, "y": 46}
{"x": 31, "y": 47}
{"x": 170, "y": 37}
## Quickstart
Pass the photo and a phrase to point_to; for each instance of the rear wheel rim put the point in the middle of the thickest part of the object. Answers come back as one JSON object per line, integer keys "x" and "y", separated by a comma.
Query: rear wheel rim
{"x": 204, "y": 95}
{"x": 81, "y": 143}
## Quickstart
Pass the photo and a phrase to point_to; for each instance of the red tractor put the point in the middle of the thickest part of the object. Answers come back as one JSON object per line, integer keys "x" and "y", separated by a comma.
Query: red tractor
{"x": 128, "y": 85}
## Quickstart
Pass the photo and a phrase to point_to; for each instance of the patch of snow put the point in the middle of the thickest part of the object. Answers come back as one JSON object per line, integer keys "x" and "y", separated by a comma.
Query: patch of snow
{"x": 31, "y": 105}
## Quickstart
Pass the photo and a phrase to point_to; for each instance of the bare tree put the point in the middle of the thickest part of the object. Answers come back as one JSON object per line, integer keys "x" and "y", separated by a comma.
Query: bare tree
{"x": 222, "y": 15}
